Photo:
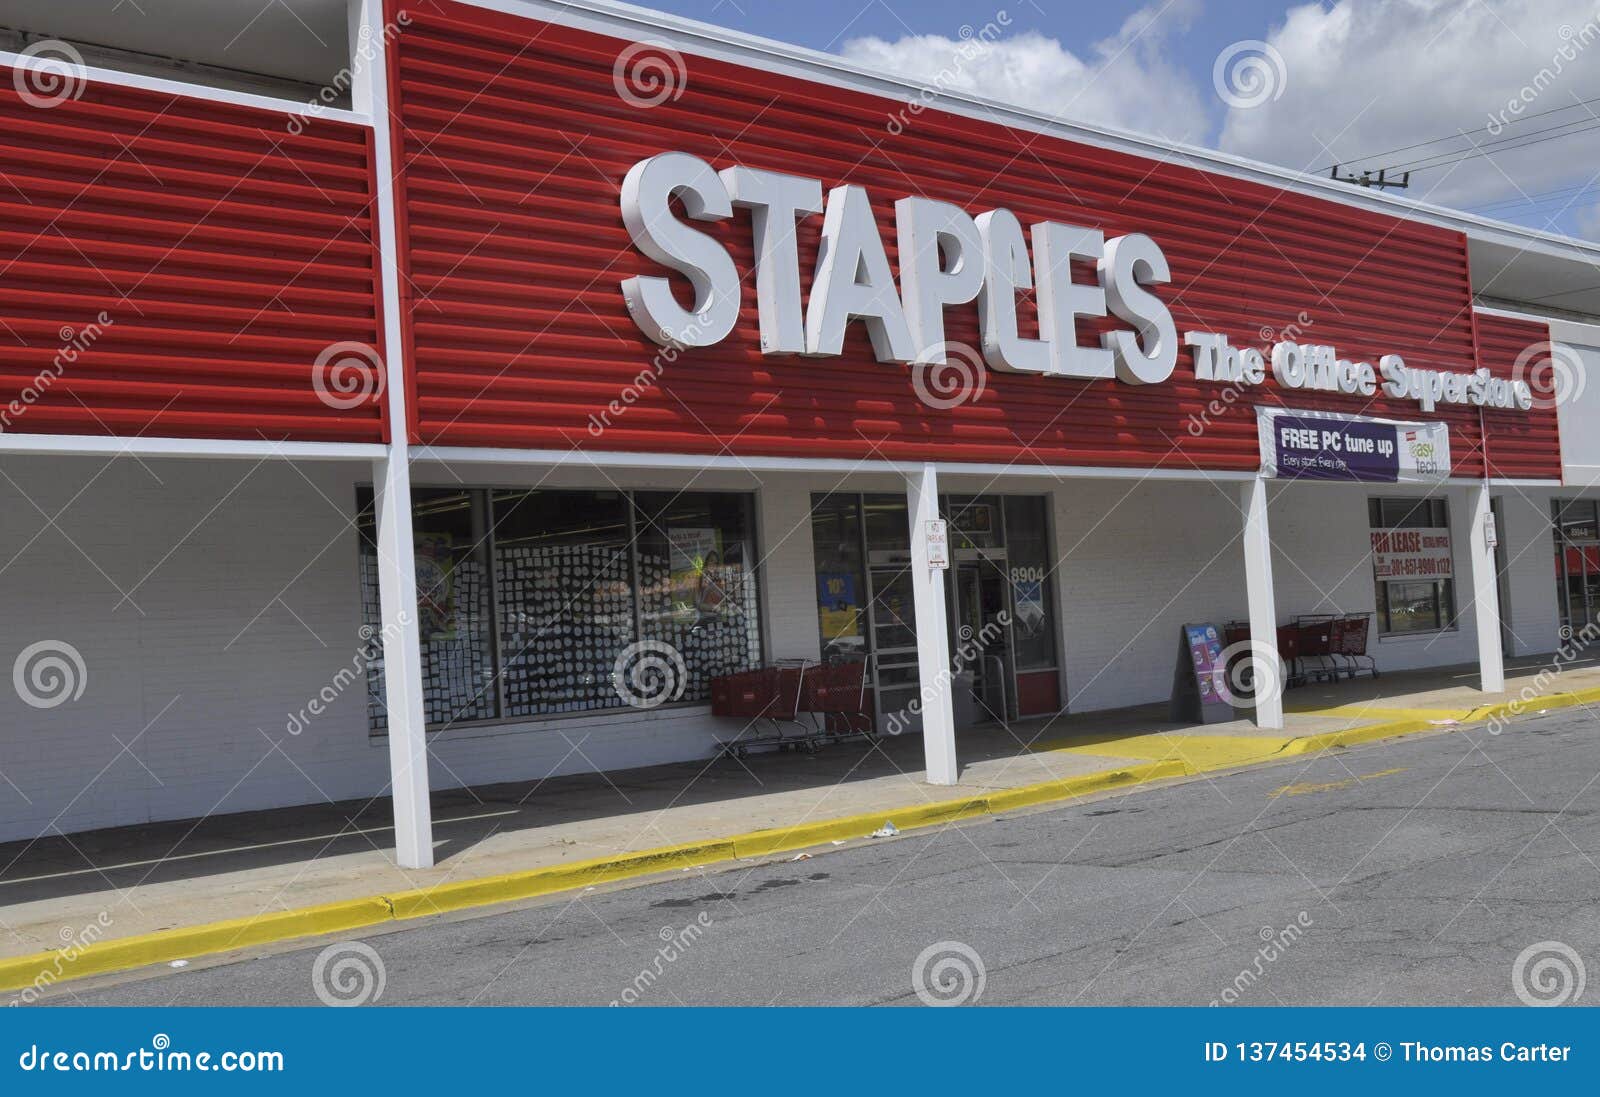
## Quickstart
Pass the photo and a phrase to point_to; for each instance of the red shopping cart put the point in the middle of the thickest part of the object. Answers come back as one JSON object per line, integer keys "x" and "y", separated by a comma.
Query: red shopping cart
{"x": 1289, "y": 653}
{"x": 1315, "y": 647}
{"x": 1318, "y": 661}
{"x": 837, "y": 696}
{"x": 767, "y": 699}
{"x": 1349, "y": 642}
{"x": 1288, "y": 638}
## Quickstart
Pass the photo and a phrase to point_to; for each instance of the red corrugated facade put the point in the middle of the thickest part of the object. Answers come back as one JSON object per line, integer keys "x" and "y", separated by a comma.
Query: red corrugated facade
{"x": 515, "y": 143}
{"x": 226, "y": 253}
{"x": 1520, "y": 445}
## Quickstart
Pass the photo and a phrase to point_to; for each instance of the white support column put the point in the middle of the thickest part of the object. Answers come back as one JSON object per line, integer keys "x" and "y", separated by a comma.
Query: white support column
{"x": 933, "y": 637}
{"x": 1263, "y": 605}
{"x": 397, "y": 564}
{"x": 1485, "y": 590}
{"x": 402, "y": 663}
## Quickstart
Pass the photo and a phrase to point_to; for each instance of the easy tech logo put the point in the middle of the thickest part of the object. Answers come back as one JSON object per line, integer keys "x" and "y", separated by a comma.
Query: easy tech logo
{"x": 1423, "y": 450}
{"x": 1423, "y": 454}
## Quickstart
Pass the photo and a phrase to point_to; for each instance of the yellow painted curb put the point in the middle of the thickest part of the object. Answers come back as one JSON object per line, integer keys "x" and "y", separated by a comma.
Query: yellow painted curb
{"x": 45, "y": 969}
{"x": 1535, "y": 703}
{"x": 763, "y": 843}
{"x": 1202, "y": 753}
{"x": 532, "y": 883}
{"x": 1502, "y": 710}
{"x": 1070, "y": 787}
{"x": 1359, "y": 710}
{"x": 1368, "y": 733}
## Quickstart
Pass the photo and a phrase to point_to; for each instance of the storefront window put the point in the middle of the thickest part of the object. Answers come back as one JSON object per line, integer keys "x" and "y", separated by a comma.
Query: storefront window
{"x": 974, "y": 523}
{"x": 1577, "y": 547}
{"x": 894, "y": 612}
{"x": 865, "y": 604}
{"x": 841, "y": 587}
{"x": 1028, "y": 568}
{"x": 1411, "y": 603}
{"x": 578, "y": 579}
{"x": 697, "y": 582}
{"x": 893, "y": 609}
{"x": 453, "y": 611}
{"x": 563, "y": 591}
{"x": 1575, "y": 519}
{"x": 888, "y": 529}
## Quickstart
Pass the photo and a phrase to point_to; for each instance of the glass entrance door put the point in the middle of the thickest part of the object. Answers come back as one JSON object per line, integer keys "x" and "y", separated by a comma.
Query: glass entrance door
{"x": 1579, "y": 565}
{"x": 1577, "y": 545}
{"x": 980, "y": 644}
{"x": 999, "y": 602}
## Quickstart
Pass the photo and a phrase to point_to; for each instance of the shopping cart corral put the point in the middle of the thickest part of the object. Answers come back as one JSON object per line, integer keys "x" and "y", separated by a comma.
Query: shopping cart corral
{"x": 794, "y": 704}
{"x": 1314, "y": 647}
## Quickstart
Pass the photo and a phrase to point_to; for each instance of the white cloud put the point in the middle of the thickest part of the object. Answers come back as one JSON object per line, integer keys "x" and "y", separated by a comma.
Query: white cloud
{"x": 1588, "y": 222}
{"x": 1128, "y": 81}
{"x": 1353, "y": 82}
{"x": 1362, "y": 77}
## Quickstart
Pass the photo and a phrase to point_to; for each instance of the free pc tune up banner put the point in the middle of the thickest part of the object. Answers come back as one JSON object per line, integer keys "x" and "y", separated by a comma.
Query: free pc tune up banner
{"x": 1309, "y": 445}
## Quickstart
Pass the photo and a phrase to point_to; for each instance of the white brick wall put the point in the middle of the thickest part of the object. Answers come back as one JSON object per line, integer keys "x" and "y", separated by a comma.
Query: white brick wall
{"x": 1138, "y": 559}
{"x": 242, "y": 603}
{"x": 1529, "y": 551}
{"x": 239, "y": 602}
{"x": 789, "y": 571}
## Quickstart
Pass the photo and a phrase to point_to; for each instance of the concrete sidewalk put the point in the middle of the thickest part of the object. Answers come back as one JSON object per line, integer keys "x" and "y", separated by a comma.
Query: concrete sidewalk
{"x": 135, "y": 881}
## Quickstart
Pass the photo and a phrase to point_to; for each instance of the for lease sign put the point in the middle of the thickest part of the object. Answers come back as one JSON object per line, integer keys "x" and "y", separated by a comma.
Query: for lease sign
{"x": 1411, "y": 554}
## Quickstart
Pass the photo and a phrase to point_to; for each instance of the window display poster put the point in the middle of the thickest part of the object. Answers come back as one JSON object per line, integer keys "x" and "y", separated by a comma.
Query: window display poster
{"x": 436, "y": 601}
{"x": 1027, "y": 592}
{"x": 695, "y": 566}
{"x": 837, "y": 606}
{"x": 712, "y": 595}
{"x": 690, "y": 546}
{"x": 1411, "y": 554}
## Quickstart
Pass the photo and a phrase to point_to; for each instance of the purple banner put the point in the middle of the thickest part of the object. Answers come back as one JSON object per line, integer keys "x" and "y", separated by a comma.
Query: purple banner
{"x": 1319, "y": 446}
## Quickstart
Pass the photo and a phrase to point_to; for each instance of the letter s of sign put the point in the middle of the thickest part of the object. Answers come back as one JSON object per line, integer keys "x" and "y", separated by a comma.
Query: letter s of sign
{"x": 1396, "y": 376}
{"x": 1130, "y": 264}
{"x": 647, "y": 212}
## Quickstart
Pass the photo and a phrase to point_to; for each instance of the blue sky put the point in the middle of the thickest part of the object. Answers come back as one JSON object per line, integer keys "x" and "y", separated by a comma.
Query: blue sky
{"x": 1346, "y": 80}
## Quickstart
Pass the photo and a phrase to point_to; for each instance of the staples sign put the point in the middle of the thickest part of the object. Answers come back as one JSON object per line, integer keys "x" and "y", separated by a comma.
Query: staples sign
{"x": 950, "y": 258}
{"x": 946, "y": 258}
